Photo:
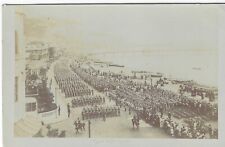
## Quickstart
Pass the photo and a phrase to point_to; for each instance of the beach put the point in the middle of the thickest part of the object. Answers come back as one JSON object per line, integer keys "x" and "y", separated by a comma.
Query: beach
{"x": 201, "y": 67}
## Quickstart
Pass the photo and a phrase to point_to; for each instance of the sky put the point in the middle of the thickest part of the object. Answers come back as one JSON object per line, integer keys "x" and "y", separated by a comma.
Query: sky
{"x": 113, "y": 28}
{"x": 172, "y": 39}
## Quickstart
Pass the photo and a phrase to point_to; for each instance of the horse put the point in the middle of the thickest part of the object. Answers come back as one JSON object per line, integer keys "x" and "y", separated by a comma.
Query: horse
{"x": 79, "y": 126}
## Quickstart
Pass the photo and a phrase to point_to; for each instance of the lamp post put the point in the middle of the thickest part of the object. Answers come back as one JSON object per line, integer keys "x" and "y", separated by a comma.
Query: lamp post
{"x": 56, "y": 97}
{"x": 89, "y": 129}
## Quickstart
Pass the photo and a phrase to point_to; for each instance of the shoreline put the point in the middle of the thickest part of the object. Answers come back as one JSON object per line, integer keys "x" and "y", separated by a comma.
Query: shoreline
{"x": 123, "y": 69}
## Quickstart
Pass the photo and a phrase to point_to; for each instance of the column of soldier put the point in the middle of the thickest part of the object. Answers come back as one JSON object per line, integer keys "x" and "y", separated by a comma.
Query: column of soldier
{"x": 100, "y": 112}
{"x": 88, "y": 100}
{"x": 129, "y": 95}
{"x": 155, "y": 99}
{"x": 200, "y": 107}
{"x": 69, "y": 82}
{"x": 100, "y": 84}
{"x": 93, "y": 78}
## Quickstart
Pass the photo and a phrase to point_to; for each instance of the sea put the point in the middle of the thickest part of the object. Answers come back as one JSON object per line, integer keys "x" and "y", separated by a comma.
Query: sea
{"x": 202, "y": 67}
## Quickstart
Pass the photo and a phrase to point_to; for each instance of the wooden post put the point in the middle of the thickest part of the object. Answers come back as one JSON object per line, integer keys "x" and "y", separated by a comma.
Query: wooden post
{"x": 151, "y": 81}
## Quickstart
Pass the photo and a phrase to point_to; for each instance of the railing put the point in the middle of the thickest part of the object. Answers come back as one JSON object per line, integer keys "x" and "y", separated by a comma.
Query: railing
{"x": 44, "y": 109}
{"x": 49, "y": 113}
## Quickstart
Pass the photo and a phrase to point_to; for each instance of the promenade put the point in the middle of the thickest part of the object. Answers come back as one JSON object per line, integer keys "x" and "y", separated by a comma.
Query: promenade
{"x": 116, "y": 127}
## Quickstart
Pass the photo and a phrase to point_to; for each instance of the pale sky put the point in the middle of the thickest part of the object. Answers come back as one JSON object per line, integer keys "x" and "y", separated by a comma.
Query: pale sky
{"x": 126, "y": 27}
{"x": 170, "y": 38}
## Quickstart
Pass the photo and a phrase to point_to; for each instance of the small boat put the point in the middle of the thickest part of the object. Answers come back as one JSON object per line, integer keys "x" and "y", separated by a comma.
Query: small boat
{"x": 157, "y": 75}
{"x": 196, "y": 68}
{"x": 116, "y": 65}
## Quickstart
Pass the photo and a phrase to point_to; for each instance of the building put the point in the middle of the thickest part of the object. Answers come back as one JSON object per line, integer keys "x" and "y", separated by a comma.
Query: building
{"x": 25, "y": 109}
{"x": 19, "y": 67}
{"x": 37, "y": 56}
{"x": 36, "y": 50}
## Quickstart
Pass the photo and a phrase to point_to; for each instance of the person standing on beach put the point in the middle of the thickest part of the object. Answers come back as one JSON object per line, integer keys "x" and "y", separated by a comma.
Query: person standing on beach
{"x": 59, "y": 110}
{"x": 133, "y": 119}
{"x": 68, "y": 109}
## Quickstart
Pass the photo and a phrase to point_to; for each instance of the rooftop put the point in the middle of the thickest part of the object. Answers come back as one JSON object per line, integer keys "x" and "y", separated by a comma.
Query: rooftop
{"x": 36, "y": 45}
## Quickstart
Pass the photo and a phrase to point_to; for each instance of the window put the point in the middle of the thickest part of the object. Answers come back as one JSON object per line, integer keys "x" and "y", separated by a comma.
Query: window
{"x": 30, "y": 107}
{"x": 16, "y": 89}
{"x": 16, "y": 43}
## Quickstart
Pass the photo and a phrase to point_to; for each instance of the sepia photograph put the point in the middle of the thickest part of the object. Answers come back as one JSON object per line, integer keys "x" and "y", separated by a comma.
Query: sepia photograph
{"x": 116, "y": 71}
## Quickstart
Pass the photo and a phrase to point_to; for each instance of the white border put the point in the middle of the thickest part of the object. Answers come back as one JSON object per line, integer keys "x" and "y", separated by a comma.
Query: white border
{"x": 108, "y": 1}
{"x": 8, "y": 68}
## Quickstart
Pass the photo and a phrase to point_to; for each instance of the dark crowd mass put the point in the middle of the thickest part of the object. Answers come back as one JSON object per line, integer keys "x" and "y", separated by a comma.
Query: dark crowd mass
{"x": 179, "y": 115}
{"x": 94, "y": 78}
{"x": 88, "y": 100}
{"x": 69, "y": 82}
{"x": 155, "y": 105}
{"x": 100, "y": 112}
